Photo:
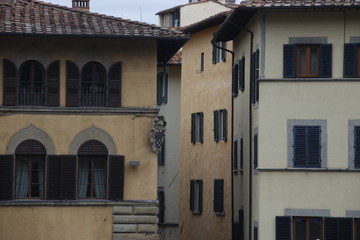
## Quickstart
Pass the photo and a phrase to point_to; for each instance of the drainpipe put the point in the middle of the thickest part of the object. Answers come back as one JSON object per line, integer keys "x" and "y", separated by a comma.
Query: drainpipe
{"x": 231, "y": 134}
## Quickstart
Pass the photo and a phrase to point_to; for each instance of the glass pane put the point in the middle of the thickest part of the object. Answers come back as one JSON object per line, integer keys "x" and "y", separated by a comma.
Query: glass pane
{"x": 38, "y": 75}
{"x": 84, "y": 177}
{"x": 99, "y": 180}
{"x": 314, "y": 60}
{"x": 22, "y": 176}
{"x": 25, "y": 75}
{"x": 315, "y": 228}
{"x": 300, "y": 229}
{"x": 302, "y": 60}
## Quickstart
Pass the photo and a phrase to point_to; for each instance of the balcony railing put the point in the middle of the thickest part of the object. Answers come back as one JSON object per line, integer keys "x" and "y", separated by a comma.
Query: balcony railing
{"x": 31, "y": 95}
{"x": 92, "y": 96}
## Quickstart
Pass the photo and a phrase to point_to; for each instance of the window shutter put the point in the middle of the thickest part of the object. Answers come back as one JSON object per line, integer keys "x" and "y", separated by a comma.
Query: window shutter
{"x": 114, "y": 85}
{"x": 314, "y": 146}
{"x": 241, "y": 224}
{"x": 338, "y": 228}
{"x": 200, "y": 195}
{"x": 165, "y": 80}
{"x": 53, "y": 191}
{"x": 201, "y": 115}
{"x": 241, "y": 153}
{"x": 357, "y": 146}
{"x": 68, "y": 177}
{"x": 216, "y": 125}
{"x": 257, "y": 72}
{"x": 289, "y": 60}
{"x": 161, "y": 196}
{"x": 223, "y": 55}
{"x": 225, "y": 125}
{"x": 158, "y": 88}
{"x": 242, "y": 74}
{"x": 299, "y": 147}
{"x": 283, "y": 228}
{"x": 72, "y": 84}
{"x": 326, "y": 60}
{"x": 255, "y": 151}
{"x": 235, "y": 155}
{"x": 235, "y": 77}
{"x": 161, "y": 156}
{"x": 252, "y": 78}
{"x": 193, "y": 127}
{"x": 6, "y": 177}
{"x": 214, "y": 54}
{"x": 10, "y": 83}
{"x": 218, "y": 195}
{"x": 116, "y": 177}
{"x": 192, "y": 195}
{"x": 52, "y": 84}
{"x": 350, "y": 60}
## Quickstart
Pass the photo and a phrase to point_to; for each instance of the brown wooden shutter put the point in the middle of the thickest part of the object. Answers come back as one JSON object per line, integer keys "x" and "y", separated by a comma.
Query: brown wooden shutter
{"x": 116, "y": 177}
{"x": 53, "y": 190}
{"x": 72, "y": 84}
{"x": 68, "y": 177}
{"x": 52, "y": 84}
{"x": 6, "y": 176}
{"x": 30, "y": 147}
{"x": 114, "y": 85}
{"x": 10, "y": 83}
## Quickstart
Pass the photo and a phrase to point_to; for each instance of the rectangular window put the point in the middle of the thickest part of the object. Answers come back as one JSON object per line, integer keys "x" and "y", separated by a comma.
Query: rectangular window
{"x": 241, "y": 74}
{"x": 202, "y": 62}
{"x": 357, "y": 229}
{"x": 220, "y": 125}
{"x": 219, "y": 54}
{"x": 197, "y": 122}
{"x": 162, "y": 88}
{"x": 357, "y": 147}
{"x": 219, "y": 196}
{"x": 307, "y": 60}
{"x": 307, "y": 228}
{"x": 255, "y": 151}
{"x": 196, "y": 187}
{"x": 235, "y": 155}
{"x": 255, "y": 76}
{"x": 352, "y": 60}
{"x": 255, "y": 233}
{"x": 241, "y": 153}
{"x": 307, "y": 146}
{"x": 161, "y": 155}
{"x": 161, "y": 197}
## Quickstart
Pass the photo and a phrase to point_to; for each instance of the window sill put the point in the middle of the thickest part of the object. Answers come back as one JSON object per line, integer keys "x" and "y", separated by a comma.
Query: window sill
{"x": 196, "y": 212}
{"x": 220, "y": 214}
{"x": 237, "y": 171}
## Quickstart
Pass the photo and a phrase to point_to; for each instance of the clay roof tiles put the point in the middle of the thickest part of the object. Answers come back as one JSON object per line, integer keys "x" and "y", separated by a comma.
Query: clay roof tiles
{"x": 298, "y": 3}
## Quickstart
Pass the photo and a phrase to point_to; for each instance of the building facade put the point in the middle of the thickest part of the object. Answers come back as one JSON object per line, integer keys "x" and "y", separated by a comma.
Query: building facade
{"x": 77, "y": 105}
{"x": 296, "y": 141}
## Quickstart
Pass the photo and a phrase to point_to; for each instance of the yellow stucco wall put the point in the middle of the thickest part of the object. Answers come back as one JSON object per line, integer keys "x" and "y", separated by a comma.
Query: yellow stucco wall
{"x": 55, "y": 223}
{"x": 204, "y": 92}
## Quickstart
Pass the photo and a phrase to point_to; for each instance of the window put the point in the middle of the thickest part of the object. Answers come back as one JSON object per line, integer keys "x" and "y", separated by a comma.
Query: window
{"x": 197, "y": 122}
{"x": 202, "y": 62}
{"x": 162, "y": 88}
{"x": 310, "y": 228}
{"x": 95, "y": 87}
{"x": 196, "y": 196}
{"x": 307, "y": 60}
{"x": 357, "y": 147}
{"x": 161, "y": 197}
{"x": 235, "y": 72}
{"x": 352, "y": 60}
{"x": 241, "y": 74}
{"x": 235, "y": 155}
{"x": 161, "y": 155}
{"x": 357, "y": 229}
{"x": 32, "y": 86}
{"x": 307, "y": 146}
{"x": 255, "y": 233}
{"x": 255, "y": 151}
{"x": 218, "y": 54}
{"x": 255, "y": 77}
{"x": 241, "y": 153}
{"x": 220, "y": 125}
{"x": 219, "y": 196}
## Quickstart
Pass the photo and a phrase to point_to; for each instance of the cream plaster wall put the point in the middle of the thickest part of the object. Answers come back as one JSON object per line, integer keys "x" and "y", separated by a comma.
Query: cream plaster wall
{"x": 204, "y": 92}
{"x": 56, "y": 223}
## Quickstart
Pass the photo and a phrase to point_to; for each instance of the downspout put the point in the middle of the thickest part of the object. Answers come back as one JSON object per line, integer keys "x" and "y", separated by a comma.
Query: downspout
{"x": 231, "y": 134}
{"x": 250, "y": 123}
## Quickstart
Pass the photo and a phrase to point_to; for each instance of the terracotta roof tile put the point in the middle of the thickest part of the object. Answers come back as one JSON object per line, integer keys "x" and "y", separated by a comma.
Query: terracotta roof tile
{"x": 298, "y": 3}
{"x": 176, "y": 59}
{"x": 36, "y": 17}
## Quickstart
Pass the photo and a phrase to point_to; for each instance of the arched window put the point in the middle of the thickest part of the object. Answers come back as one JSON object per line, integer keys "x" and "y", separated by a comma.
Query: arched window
{"x": 92, "y": 170}
{"x": 93, "y": 89}
{"x": 31, "y": 84}
{"x": 30, "y": 158}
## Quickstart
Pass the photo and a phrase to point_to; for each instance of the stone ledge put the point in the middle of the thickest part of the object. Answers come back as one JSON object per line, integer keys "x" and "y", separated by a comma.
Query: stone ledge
{"x": 146, "y": 210}
{"x": 122, "y": 210}
{"x": 147, "y": 228}
{"x": 124, "y": 228}
{"x": 135, "y": 236}
{"x": 134, "y": 219}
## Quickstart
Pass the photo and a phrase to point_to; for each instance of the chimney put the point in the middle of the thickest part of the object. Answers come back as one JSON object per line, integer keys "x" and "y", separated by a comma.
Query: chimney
{"x": 83, "y": 5}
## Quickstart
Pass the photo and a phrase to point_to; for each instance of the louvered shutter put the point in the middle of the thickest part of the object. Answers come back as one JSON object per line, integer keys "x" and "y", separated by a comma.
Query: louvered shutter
{"x": 314, "y": 146}
{"x": 242, "y": 74}
{"x": 252, "y": 78}
{"x": 68, "y": 177}
{"x": 241, "y": 153}
{"x": 299, "y": 147}
{"x": 6, "y": 177}
{"x": 165, "y": 94}
{"x": 30, "y": 147}
{"x": 114, "y": 85}
{"x": 338, "y": 228}
{"x": 235, "y": 72}
{"x": 200, "y": 182}
{"x": 158, "y": 89}
{"x": 161, "y": 196}
{"x": 53, "y": 84}
{"x": 350, "y": 60}
{"x": 235, "y": 155}
{"x": 72, "y": 84}
{"x": 10, "y": 83}
{"x": 53, "y": 190}
{"x": 357, "y": 146}
{"x": 257, "y": 74}
{"x": 218, "y": 195}
{"x": 214, "y": 60}
{"x": 255, "y": 151}
{"x": 224, "y": 126}
{"x": 193, "y": 116}
{"x": 326, "y": 60}
{"x": 241, "y": 224}
{"x": 192, "y": 194}
{"x": 201, "y": 116}
{"x": 116, "y": 177}
{"x": 223, "y": 55}
{"x": 216, "y": 125}
{"x": 283, "y": 228}
{"x": 289, "y": 60}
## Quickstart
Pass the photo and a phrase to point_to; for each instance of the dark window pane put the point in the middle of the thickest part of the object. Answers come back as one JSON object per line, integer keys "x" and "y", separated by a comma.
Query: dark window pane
{"x": 300, "y": 229}
{"x": 302, "y": 60}
{"x": 315, "y": 228}
{"x": 314, "y": 60}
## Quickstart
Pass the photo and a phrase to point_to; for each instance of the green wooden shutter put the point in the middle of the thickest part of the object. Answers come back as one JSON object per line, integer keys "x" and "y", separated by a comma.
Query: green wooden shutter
{"x": 214, "y": 54}
{"x": 242, "y": 74}
{"x": 192, "y": 195}
{"x": 224, "y": 126}
{"x": 241, "y": 224}
{"x": 235, "y": 76}
{"x": 338, "y": 228}
{"x": 68, "y": 177}
{"x": 235, "y": 155}
{"x": 299, "y": 147}
{"x": 218, "y": 195}
{"x": 326, "y": 60}
{"x": 53, "y": 186}
{"x": 289, "y": 61}
{"x": 241, "y": 153}
{"x": 201, "y": 116}
{"x": 116, "y": 177}
{"x": 161, "y": 196}
{"x": 6, "y": 177}
{"x": 72, "y": 85}
{"x": 223, "y": 55}
{"x": 193, "y": 119}
{"x": 357, "y": 147}
{"x": 216, "y": 125}
{"x": 53, "y": 84}
{"x": 252, "y": 77}
{"x": 350, "y": 60}
{"x": 10, "y": 83}
{"x": 200, "y": 182}
{"x": 314, "y": 146}
{"x": 283, "y": 228}
{"x": 165, "y": 82}
{"x": 255, "y": 151}
{"x": 114, "y": 85}
{"x": 257, "y": 74}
